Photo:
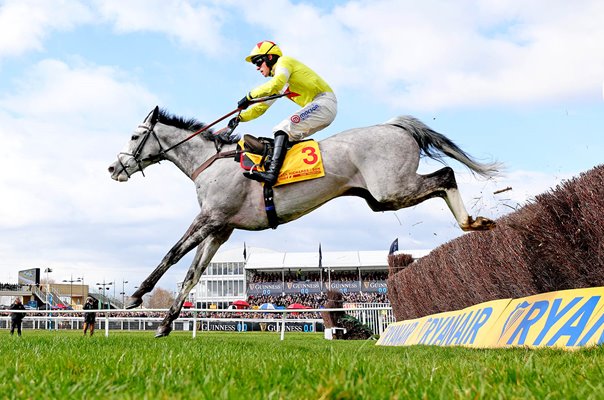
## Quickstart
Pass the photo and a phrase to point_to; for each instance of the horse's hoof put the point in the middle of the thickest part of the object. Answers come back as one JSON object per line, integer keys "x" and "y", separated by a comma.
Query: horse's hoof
{"x": 480, "y": 224}
{"x": 483, "y": 224}
{"x": 135, "y": 302}
{"x": 163, "y": 331}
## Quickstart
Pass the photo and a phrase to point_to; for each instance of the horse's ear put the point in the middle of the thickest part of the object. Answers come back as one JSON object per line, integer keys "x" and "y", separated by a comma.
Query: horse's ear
{"x": 152, "y": 117}
{"x": 155, "y": 115}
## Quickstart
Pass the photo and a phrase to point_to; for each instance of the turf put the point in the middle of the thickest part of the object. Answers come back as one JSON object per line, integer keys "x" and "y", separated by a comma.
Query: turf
{"x": 65, "y": 365}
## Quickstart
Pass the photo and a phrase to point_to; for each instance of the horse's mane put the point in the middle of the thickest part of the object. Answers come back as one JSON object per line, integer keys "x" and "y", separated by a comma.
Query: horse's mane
{"x": 190, "y": 124}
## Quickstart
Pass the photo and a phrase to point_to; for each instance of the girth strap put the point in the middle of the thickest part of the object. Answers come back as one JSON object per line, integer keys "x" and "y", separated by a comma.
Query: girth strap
{"x": 210, "y": 160}
{"x": 269, "y": 206}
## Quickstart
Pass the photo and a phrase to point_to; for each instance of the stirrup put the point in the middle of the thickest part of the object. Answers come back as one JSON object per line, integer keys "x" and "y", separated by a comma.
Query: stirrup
{"x": 258, "y": 176}
{"x": 251, "y": 175}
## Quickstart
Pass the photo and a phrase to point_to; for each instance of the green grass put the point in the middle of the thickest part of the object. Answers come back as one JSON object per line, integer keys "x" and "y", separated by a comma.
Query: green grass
{"x": 65, "y": 365}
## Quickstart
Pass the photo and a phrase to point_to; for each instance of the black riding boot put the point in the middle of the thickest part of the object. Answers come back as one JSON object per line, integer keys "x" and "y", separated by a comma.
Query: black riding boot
{"x": 270, "y": 176}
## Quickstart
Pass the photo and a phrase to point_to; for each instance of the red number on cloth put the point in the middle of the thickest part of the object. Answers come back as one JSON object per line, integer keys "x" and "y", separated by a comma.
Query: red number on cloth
{"x": 312, "y": 155}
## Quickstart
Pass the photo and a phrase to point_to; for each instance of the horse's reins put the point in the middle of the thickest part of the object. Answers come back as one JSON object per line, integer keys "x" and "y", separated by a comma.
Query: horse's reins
{"x": 161, "y": 155}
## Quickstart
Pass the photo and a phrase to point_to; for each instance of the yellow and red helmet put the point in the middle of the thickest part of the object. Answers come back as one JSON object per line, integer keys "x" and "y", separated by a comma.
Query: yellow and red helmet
{"x": 263, "y": 48}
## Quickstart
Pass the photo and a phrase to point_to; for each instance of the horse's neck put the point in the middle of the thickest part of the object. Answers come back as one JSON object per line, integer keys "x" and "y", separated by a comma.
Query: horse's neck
{"x": 190, "y": 154}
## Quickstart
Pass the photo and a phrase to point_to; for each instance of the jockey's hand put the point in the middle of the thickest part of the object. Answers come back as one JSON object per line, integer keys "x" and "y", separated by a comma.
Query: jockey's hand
{"x": 234, "y": 137}
{"x": 244, "y": 103}
{"x": 233, "y": 122}
{"x": 227, "y": 135}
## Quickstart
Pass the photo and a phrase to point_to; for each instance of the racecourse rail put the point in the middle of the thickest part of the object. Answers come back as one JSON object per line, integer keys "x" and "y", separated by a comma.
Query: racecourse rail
{"x": 376, "y": 316}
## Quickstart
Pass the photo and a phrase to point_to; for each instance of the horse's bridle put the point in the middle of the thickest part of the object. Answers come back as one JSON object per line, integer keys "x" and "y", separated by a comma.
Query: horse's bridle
{"x": 139, "y": 149}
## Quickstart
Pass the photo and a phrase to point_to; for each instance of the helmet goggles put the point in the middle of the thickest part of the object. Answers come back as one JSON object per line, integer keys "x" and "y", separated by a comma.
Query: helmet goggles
{"x": 259, "y": 60}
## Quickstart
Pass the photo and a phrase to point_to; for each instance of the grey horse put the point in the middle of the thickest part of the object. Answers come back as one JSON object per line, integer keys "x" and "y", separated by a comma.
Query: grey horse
{"x": 378, "y": 163}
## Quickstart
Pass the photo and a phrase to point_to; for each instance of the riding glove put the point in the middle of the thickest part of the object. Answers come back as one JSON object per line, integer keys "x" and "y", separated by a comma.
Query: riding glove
{"x": 233, "y": 123}
{"x": 244, "y": 103}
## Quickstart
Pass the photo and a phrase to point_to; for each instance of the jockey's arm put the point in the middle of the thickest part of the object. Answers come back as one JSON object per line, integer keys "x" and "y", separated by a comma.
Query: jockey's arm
{"x": 274, "y": 86}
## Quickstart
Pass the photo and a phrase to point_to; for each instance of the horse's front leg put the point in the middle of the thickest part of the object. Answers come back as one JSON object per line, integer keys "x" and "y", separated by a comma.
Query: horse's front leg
{"x": 203, "y": 256}
{"x": 194, "y": 235}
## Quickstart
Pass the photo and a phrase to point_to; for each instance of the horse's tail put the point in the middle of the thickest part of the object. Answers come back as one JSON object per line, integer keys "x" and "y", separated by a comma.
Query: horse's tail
{"x": 436, "y": 145}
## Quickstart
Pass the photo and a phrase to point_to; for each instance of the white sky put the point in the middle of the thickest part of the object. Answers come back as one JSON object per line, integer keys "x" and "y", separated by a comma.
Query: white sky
{"x": 520, "y": 82}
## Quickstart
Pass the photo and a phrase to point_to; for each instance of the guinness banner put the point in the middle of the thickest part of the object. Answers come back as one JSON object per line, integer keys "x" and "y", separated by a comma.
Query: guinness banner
{"x": 265, "y": 288}
{"x": 310, "y": 287}
{"x": 303, "y": 287}
{"x": 250, "y": 326}
{"x": 375, "y": 286}
{"x": 345, "y": 286}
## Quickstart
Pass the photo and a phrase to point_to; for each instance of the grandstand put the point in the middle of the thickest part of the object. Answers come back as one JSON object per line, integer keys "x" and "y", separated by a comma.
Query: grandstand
{"x": 261, "y": 276}
{"x": 262, "y": 279}
{"x": 264, "y": 276}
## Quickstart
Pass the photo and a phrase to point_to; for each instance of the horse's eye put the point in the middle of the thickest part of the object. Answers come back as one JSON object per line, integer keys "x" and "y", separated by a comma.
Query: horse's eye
{"x": 134, "y": 137}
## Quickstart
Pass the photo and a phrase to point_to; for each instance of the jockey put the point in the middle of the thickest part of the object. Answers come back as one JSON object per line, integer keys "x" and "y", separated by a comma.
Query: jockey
{"x": 305, "y": 88}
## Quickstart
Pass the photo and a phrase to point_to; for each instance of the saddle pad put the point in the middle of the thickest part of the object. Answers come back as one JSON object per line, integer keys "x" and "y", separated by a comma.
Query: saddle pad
{"x": 302, "y": 162}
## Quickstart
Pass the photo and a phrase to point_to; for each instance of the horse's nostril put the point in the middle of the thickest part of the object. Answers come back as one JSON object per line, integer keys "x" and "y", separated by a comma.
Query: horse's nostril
{"x": 111, "y": 169}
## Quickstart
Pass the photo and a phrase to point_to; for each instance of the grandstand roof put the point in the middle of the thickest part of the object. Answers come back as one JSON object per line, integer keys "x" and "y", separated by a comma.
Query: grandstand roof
{"x": 236, "y": 254}
{"x": 330, "y": 259}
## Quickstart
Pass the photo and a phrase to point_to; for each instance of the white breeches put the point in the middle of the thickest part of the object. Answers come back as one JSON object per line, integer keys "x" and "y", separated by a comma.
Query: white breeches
{"x": 313, "y": 117}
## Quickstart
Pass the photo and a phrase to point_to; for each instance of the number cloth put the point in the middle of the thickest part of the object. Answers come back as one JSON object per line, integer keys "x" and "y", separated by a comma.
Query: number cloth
{"x": 302, "y": 162}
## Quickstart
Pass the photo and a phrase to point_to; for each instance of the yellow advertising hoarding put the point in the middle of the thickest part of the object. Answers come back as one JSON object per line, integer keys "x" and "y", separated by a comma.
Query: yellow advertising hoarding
{"x": 468, "y": 327}
{"x": 567, "y": 319}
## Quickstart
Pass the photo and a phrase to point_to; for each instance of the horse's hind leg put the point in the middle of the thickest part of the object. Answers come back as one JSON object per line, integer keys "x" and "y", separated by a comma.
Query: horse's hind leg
{"x": 442, "y": 183}
{"x": 203, "y": 256}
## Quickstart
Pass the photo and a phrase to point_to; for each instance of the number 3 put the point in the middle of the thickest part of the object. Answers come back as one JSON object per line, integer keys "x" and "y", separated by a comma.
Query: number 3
{"x": 312, "y": 155}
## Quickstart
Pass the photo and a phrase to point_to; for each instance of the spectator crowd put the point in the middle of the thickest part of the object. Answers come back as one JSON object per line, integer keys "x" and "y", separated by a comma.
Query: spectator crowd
{"x": 13, "y": 287}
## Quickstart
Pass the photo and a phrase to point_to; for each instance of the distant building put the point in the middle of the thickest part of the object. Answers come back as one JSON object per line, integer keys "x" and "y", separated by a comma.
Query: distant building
{"x": 230, "y": 277}
{"x": 51, "y": 295}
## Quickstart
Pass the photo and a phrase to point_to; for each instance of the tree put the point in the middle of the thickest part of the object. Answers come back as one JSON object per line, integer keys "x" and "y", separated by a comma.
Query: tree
{"x": 158, "y": 298}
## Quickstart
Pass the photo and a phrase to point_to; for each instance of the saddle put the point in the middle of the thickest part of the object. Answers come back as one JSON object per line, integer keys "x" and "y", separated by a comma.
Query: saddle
{"x": 302, "y": 161}
{"x": 257, "y": 145}
{"x": 251, "y": 145}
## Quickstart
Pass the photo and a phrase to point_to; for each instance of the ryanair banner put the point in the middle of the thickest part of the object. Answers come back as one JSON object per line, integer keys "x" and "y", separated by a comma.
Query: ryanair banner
{"x": 468, "y": 327}
{"x": 566, "y": 319}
